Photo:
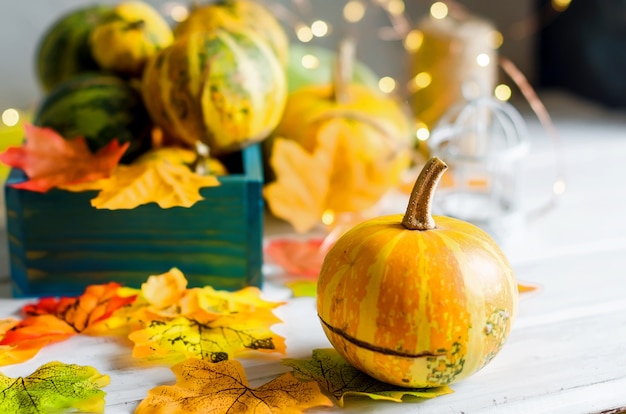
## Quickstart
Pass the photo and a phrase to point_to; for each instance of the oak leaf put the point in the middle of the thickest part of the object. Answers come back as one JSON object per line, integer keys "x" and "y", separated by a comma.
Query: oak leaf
{"x": 202, "y": 387}
{"x": 54, "y": 387}
{"x": 50, "y": 161}
{"x": 340, "y": 379}
{"x": 160, "y": 176}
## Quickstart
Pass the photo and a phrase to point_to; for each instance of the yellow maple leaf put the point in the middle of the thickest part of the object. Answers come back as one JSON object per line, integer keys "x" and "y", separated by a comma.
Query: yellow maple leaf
{"x": 168, "y": 321}
{"x": 161, "y": 176}
{"x": 360, "y": 176}
{"x": 302, "y": 181}
{"x": 217, "y": 340}
{"x": 203, "y": 388}
{"x": 347, "y": 172}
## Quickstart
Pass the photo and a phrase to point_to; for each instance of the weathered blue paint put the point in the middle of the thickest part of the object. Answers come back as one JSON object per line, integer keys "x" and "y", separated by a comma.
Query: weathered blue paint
{"x": 59, "y": 244}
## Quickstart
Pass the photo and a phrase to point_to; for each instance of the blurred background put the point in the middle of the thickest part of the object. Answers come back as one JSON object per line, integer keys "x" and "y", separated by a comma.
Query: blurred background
{"x": 576, "y": 45}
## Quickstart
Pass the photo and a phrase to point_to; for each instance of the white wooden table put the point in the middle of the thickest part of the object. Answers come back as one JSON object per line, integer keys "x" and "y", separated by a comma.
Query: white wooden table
{"x": 566, "y": 353}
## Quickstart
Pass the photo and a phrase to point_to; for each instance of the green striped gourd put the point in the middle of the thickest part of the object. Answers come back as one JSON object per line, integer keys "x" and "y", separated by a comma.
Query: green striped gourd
{"x": 100, "y": 108}
{"x": 63, "y": 50}
{"x": 226, "y": 89}
{"x": 236, "y": 15}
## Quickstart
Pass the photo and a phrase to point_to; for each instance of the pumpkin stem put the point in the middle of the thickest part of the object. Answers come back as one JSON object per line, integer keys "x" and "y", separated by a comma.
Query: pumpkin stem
{"x": 418, "y": 213}
{"x": 343, "y": 70}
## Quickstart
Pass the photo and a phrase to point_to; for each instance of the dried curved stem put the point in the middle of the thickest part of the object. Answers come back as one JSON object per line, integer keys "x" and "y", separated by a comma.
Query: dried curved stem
{"x": 418, "y": 214}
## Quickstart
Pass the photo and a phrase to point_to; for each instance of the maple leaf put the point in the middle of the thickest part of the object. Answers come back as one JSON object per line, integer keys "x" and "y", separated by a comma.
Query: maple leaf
{"x": 50, "y": 161}
{"x": 160, "y": 176}
{"x": 219, "y": 340}
{"x": 360, "y": 176}
{"x": 302, "y": 288}
{"x": 297, "y": 257}
{"x": 343, "y": 174}
{"x": 54, "y": 387}
{"x": 302, "y": 182}
{"x": 170, "y": 322}
{"x": 202, "y": 387}
{"x": 53, "y": 320}
{"x": 340, "y": 379}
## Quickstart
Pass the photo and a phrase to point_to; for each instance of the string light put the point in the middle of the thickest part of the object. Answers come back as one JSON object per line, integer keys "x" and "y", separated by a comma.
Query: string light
{"x": 502, "y": 92}
{"x": 10, "y": 117}
{"x": 309, "y": 61}
{"x": 483, "y": 60}
{"x": 560, "y": 5}
{"x": 176, "y": 11}
{"x": 496, "y": 39}
{"x": 439, "y": 10}
{"x": 387, "y": 84}
{"x": 304, "y": 33}
{"x": 354, "y": 11}
{"x": 413, "y": 41}
{"x": 320, "y": 28}
{"x": 422, "y": 133}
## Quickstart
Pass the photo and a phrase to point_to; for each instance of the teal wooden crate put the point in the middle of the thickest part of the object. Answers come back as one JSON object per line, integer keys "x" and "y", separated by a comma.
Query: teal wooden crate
{"x": 59, "y": 244}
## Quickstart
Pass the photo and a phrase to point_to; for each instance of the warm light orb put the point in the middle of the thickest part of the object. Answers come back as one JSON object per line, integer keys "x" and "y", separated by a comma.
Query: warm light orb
{"x": 439, "y": 10}
{"x": 483, "y": 60}
{"x": 387, "y": 84}
{"x": 10, "y": 117}
{"x": 422, "y": 80}
{"x": 319, "y": 28}
{"x": 395, "y": 7}
{"x": 422, "y": 132}
{"x": 304, "y": 33}
{"x": 309, "y": 61}
{"x": 328, "y": 217}
{"x": 502, "y": 92}
{"x": 178, "y": 13}
{"x": 559, "y": 187}
{"x": 560, "y": 5}
{"x": 413, "y": 40}
{"x": 497, "y": 39}
{"x": 354, "y": 11}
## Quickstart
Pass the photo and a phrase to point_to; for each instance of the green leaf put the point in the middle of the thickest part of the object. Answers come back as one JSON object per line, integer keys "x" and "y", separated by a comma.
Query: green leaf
{"x": 340, "y": 379}
{"x": 54, "y": 387}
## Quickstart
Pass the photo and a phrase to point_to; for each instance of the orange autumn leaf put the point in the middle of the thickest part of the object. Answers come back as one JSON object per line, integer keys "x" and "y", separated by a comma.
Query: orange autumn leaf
{"x": 170, "y": 322}
{"x": 302, "y": 182}
{"x": 53, "y": 320}
{"x": 160, "y": 176}
{"x": 297, "y": 257}
{"x": 50, "y": 161}
{"x": 203, "y": 388}
{"x": 360, "y": 176}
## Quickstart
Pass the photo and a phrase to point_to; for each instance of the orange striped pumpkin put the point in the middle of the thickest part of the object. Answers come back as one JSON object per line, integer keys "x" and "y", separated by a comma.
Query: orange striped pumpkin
{"x": 416, "y": 300}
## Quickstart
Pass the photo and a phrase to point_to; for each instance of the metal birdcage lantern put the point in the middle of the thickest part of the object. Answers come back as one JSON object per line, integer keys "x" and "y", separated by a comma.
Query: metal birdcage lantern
{"x": 484, "y": 143}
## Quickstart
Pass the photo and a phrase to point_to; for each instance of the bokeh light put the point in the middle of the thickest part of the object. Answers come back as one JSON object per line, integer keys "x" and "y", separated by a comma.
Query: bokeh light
{"x": 10, "y": 117}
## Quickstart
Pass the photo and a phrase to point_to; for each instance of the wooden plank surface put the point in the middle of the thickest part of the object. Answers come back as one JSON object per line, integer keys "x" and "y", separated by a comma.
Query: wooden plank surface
{"x": 566, "y": 350}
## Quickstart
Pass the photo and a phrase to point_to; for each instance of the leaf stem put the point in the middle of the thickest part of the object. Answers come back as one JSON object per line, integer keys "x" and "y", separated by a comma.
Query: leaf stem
{"x": 418, "y": 214}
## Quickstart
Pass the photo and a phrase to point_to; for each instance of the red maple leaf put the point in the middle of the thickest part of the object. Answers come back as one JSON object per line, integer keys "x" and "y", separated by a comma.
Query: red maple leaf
{"x": 53, "y": 320}
{"x": 49, "y": 160}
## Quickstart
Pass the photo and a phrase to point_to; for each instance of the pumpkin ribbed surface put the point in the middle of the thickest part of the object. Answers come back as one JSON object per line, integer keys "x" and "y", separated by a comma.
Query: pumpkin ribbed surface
{"x": 226, "y": 89}
{"x": 416, "y": 308}
{"x": 237, "y": 15}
